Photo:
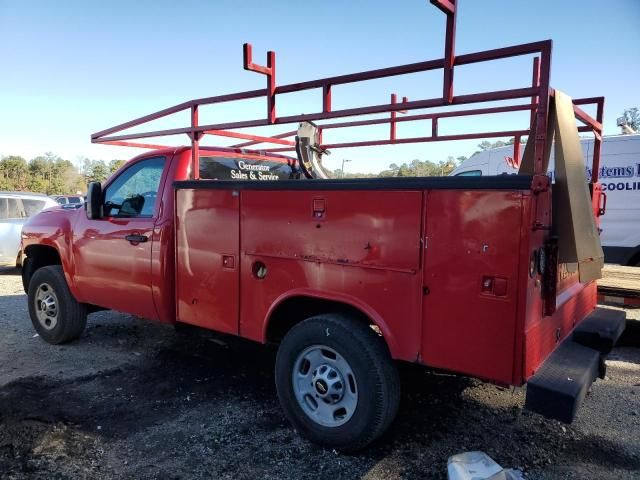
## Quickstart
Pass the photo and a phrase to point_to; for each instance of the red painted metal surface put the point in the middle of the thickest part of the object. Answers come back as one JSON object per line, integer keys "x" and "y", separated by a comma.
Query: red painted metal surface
{"x": 544, "y": 334}
{"x": 448, "y": 7}
{"x": 364, "y": 251}
{"x": 207, "y": 258}
{"x": 538, "y": 92}
{"x": 472, "y": 277}
{"x": 109, "y": 270}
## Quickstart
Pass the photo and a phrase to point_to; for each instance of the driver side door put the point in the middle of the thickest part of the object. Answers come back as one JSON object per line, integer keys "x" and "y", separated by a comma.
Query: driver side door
{"x": 113, "y": 254}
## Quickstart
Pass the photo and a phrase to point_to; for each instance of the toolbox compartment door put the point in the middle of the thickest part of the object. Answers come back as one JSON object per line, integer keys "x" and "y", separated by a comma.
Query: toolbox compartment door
{"x": 207, "y": 263}
{"x": 470, "y": 281}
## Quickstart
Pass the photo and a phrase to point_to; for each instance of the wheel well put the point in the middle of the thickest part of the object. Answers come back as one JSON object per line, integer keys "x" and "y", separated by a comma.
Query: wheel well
{"x": 296, "y": 309}
{"x": 39, "y": 256}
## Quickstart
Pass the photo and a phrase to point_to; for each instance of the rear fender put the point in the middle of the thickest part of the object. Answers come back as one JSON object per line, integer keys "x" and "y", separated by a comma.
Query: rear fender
{"x": 335, "y": 297}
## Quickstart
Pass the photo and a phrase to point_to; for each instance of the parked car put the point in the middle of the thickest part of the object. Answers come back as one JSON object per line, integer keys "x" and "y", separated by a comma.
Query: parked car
{"x": 69, "y": 199}
{"x": 620, "y": 178}
{"x": 15, "y": 208}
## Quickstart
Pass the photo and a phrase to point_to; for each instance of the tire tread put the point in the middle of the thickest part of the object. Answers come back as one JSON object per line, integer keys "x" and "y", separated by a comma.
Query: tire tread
{"x": 386, "y": 391}
{"x": 72, "y": 315}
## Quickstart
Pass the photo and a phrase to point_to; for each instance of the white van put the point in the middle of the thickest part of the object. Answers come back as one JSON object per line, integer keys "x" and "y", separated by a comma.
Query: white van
{"x": 620, "y": 179}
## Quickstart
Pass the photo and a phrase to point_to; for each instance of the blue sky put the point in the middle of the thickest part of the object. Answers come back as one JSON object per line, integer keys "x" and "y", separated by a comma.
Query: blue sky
{"x": 71, "y": 68}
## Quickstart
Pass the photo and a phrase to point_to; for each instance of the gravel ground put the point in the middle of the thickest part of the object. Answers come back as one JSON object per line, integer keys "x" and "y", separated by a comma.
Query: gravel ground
{"x": 133, "y": 399}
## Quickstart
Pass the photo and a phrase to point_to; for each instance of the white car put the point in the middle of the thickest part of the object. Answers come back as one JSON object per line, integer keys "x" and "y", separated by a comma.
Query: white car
{"x": 620, "y": 178}
{"x": 15, "y": 208}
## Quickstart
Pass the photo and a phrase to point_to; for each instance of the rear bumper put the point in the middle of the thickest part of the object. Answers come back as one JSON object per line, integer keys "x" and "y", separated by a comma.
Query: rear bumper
{"x": 561, "y": 383}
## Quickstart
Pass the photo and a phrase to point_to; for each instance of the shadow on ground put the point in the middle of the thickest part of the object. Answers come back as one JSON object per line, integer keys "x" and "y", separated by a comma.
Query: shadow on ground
{"x": 203, "y": 406}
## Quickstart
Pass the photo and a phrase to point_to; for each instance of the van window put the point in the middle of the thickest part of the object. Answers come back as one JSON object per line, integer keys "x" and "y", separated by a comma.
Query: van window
{"x": 470, "y": 173}
{"x": 31, "y": 207}
{"x": 74, "y": 200}
{"x": 15, "y": 209}
{"x": 4, "y": 208}
{"x": 248, "y": 169}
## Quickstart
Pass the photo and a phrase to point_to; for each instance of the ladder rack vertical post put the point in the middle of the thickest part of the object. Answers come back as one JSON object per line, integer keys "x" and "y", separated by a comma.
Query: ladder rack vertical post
{"x": 542, "y": 112}
{"x": 516, "y": 150}
{"x": 392, "y": 123}
{"x": 195, "y": 144}
{"x": 271, "y": 86}
{"x": 535, "y": 83}
{"x": 448, "y": 7}
{"x": 269, "y": 71}
{"x": 326, "y": 98}
{"x": 597, "y": 142}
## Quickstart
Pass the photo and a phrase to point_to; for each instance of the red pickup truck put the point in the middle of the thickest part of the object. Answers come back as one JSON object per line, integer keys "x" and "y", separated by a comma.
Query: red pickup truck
{"x": 349, "y": 277}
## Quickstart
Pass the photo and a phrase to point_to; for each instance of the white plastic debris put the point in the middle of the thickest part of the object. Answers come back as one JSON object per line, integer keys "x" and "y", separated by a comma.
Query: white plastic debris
{"x": 478, "y": 466}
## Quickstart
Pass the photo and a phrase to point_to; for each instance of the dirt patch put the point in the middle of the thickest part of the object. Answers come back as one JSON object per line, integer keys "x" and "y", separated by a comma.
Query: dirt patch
{"x": 132, "y": 399}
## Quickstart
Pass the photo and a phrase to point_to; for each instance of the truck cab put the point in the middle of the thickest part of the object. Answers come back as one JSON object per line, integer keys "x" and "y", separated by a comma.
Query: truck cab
{"x": 129, "y": 250}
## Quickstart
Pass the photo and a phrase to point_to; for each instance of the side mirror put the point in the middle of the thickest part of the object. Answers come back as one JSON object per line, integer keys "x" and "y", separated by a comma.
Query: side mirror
{"x": 94, "y": 201}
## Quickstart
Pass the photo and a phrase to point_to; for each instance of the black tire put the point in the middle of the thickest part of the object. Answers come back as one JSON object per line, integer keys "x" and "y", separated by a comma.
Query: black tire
{"x": 71, "y": 316}
{"x": 376, "y": 377}
{"x": 27, "y": 271}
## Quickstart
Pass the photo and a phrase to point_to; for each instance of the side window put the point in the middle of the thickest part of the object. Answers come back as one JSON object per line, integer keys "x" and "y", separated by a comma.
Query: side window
{"x": 134, "y": 192}
{"x": 470, "y": 173}
{"x": 4, "y": 208}
{"x": 239, "y": 168}
{"x": 31, "y": 207}
{"x": 15, "y": 208}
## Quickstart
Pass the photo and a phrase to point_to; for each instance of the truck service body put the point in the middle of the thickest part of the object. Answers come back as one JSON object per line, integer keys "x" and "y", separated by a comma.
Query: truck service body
{"x": 466, "y": 274}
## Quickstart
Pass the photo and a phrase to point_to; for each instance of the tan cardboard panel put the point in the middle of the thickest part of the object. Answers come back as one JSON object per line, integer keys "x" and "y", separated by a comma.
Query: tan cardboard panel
{"x": 573, "y": 220}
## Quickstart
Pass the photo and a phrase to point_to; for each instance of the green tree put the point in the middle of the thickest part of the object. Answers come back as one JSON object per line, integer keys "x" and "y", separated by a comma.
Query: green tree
{"x": 14, "y": 173}
{"x": 94, "y": 170}
{"x": 115, "y": 165}
{"x": 497, "y": 144}
{"x": 632, "y": 118}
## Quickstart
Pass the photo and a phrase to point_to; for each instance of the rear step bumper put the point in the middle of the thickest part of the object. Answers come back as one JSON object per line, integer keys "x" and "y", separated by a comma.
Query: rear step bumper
{"x": 561, "y": 383}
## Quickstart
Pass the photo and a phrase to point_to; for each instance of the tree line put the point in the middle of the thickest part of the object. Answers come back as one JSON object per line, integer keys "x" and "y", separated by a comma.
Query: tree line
{"x": 423, "y": 168}
{"x": 53, "y": 175}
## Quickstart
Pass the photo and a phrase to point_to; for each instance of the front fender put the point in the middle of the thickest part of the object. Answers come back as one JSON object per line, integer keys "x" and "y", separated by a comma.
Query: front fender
{"x": 52, "y": 229}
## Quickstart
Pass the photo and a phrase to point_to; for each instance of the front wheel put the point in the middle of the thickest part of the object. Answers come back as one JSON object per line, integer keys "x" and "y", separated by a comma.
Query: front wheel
{"x": 336, "y": 382}
{"x": 55, "y": 313}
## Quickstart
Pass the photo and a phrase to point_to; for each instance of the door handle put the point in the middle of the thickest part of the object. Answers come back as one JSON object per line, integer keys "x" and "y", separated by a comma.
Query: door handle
{"x": 135, "y": 239}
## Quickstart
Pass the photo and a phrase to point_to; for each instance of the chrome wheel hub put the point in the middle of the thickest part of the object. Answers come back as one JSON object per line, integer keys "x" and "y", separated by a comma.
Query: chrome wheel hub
{"x": 328, "y": 383}
{"x": 46, "y": 306}
{"x": 324, "y": 386}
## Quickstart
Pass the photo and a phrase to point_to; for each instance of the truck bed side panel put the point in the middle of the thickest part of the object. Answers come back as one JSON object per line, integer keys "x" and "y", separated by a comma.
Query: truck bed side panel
{"x": 359, "y": 247}
{"x": 471, "y": 273}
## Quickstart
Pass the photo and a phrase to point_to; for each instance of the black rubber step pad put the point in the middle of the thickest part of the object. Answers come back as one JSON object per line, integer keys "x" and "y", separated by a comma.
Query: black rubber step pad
{"x": 560, "y": 385}
{"x": 601, "y": 329}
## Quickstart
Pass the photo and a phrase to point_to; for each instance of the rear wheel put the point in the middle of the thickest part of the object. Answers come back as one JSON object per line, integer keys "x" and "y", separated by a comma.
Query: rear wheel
{"x": 54, "y": 312}
{"x": 336, "y": 382}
